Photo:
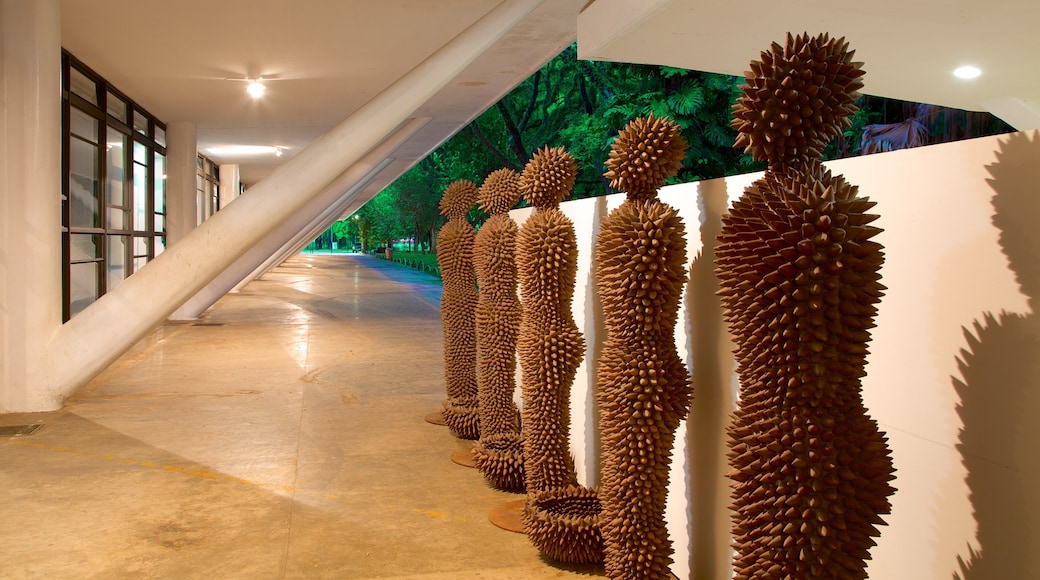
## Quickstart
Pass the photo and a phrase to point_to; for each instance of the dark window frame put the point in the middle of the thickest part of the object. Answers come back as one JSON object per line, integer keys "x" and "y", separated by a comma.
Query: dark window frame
{"x": 106, "y": 120}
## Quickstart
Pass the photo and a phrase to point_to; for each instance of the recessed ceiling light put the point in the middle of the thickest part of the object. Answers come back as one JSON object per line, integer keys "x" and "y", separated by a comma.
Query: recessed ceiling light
{"x": 242, "y": 150}
{"x": 256, "y": 89}
{"x": 967, "y": 72}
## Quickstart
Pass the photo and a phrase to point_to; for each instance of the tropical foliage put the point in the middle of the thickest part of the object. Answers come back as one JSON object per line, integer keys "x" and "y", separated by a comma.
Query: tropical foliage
{"x": 581, "y": 105}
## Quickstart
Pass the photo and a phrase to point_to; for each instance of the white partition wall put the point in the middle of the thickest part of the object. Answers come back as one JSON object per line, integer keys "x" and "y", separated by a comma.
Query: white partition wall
{"x": 953, "y": 377}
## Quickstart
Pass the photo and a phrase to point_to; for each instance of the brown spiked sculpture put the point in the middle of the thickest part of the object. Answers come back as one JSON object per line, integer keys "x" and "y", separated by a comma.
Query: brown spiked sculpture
{"x": 643, "y": 386}
{"x": 797, "y": 99}
{"x": 499, "y": 453}
{"x": 799, "y": 282}
{"x": 561, "y": 518}
{"x": 458, "y": 308}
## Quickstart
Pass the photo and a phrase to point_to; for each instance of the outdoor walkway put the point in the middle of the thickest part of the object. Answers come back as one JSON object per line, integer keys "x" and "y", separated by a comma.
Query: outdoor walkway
{"x": 280, "y": 436}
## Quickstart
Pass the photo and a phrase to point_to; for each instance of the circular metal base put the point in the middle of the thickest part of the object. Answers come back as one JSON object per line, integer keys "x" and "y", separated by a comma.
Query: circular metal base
{"x": 463, "y": 457}
{"x": 508, "y": 516}
{"x": 436, "y": 419}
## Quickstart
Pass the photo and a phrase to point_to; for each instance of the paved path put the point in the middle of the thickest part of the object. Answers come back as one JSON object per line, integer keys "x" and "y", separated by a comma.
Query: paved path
{"x": 281, "y": 436}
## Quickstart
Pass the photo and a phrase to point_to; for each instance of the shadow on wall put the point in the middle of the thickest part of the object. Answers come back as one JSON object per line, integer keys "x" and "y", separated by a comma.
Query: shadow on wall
{"x": 710, "y": 352}
{"x": 999, "y": 389}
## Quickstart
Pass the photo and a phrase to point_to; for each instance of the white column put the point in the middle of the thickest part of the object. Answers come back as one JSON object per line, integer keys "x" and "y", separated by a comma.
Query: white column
{"x": 30, "y": 197}
{"x": 229, "y": 184}
{"x": 98, "y": 335}
{"x": 182, "y": 211}
{"x": 344, "y": 186}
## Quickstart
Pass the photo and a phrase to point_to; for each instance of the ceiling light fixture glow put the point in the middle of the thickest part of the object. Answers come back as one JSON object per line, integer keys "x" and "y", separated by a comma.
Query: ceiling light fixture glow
{"x": 256, "y": 89}
{"x": 241, "y": 150}
{"x": 967, "y": 72}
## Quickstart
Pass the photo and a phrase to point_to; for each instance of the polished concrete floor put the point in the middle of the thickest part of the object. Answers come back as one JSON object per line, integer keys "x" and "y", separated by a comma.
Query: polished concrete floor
{"x": 280, "y": 436}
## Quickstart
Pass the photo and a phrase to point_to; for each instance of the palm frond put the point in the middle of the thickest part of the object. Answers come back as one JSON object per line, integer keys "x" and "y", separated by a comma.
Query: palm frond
{"x": 893, "y": 136}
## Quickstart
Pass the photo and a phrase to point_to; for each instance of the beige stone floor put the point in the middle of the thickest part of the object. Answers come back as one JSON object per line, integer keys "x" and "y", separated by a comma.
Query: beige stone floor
{"x": 280, "y": 436}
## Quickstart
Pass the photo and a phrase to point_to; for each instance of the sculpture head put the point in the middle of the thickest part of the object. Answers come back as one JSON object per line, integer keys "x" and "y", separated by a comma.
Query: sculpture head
{"x": 644, "y": 155}
{"x": 458, "y": 198}
{"x": 797, "y": 98}
{"x": 500, "y": 191}
{"x": 548, "y": 177}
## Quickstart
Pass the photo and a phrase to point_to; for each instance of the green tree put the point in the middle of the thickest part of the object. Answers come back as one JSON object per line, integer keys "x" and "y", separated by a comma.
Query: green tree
{"x": 343, "y": 232}
{"x": 417, "y": 194}
{"x": 581, "y": 105}
{"x": 378, "y": 222}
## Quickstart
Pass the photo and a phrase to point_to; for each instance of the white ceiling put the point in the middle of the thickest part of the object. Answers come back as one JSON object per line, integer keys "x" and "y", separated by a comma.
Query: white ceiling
{"x": 331, "y": 56}
{"x": 326, "y": 58}
{"x": 909, "y": 47}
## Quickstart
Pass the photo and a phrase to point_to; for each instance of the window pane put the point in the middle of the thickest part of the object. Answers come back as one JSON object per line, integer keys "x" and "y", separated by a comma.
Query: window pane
{"x": 118, "y": 258}
{"x": 84, "y": 247}
{"x": 116, "y": 155}
{"x": 83, "y": 184}
{"x": 140, "y": 153}
{"x": 141, "y": 246}
{"x": 83, "y": 285}
{"x": 140, "y": 123}
{"x": 160, "y": 183}
{"x": 139, "y": 263}
{"x": 160, "y": 223}
{"x": 117, "y": 107}
{"x": 140, "y": 197}
{"x": 83, "y": 86}
{"x": 83, "y": 125}
{"x": 116, "y": 219}
{"x": 201, "y": 199}
{"x": 160, "y": 244}
{"x": 142, "y": 180}
{"x": 160, "y": 135}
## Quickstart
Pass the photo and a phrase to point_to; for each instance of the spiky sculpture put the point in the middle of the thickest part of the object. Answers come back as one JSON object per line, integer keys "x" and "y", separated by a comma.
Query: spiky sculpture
{"x": 561, "y": 518}
{"x": 797, "y": 99}
{"x": 458, "y": 306}
{"x": 643, "y": 386}
{"x": 499, "y": 453}
{"x": 799, "y": 282}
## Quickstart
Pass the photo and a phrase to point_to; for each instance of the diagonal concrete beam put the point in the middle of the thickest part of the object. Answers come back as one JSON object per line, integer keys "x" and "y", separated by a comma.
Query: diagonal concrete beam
{"x": 94, "y": 338}
{"x": 344, "y": 186}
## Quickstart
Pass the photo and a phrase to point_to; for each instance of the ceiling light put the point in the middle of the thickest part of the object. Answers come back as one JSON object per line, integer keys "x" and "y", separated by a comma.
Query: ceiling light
{"x": 277, "y": 151}
{"x": 256, "y": 89}
{"x": 967, "y": 72}
{"x": 241, "y": 150}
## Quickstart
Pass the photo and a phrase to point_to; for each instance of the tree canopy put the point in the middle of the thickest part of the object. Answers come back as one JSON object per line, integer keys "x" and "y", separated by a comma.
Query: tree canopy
{"x": 581, "y": 105}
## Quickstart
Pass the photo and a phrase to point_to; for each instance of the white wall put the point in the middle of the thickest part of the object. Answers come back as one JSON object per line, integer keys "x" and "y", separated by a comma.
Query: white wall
{"x": 955, "y": 409}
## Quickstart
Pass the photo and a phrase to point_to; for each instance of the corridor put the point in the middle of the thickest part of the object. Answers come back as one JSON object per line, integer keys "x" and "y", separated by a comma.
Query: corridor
{"x": 282, "y": 435}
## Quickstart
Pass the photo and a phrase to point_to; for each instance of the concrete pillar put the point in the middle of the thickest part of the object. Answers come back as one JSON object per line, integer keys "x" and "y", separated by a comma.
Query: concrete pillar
{"x": 229, "y": 184}
{"x": 30, "y": 196}
{"x": 107, "y": 328}
{"x": 344, "y": 186}
{"x": 182, "y": 209}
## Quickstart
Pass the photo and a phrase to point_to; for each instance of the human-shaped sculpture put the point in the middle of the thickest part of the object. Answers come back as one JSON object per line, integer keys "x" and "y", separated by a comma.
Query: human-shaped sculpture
{"x": 458, "y": 310}
{"x": 499, "y": 454}
{"x": 799, "y": 282}
{"x": 561, "y": 518}
{"x": 643, "y": 386}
